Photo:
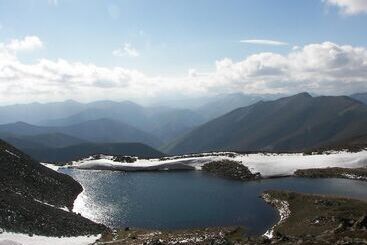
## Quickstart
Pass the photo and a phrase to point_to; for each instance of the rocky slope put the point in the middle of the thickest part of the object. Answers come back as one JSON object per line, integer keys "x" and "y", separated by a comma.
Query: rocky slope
{"x": 31, "y": 195}
{"x": 21, "y": 174}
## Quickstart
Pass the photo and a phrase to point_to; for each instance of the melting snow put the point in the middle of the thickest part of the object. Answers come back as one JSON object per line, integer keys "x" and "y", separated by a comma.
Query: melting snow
{"x": 283, "y": 209}
{"x": 51, "y": 166}
{"x": 8, "y": 238}
{"x": 265, "y": 163}
{"x": 11, "y": 153}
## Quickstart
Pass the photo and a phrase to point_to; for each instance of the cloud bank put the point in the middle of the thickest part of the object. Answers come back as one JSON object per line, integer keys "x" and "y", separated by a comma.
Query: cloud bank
{"x": 322, "y": 68}
{"x": 350, "y": 7}
{"x": 29, "y": 43}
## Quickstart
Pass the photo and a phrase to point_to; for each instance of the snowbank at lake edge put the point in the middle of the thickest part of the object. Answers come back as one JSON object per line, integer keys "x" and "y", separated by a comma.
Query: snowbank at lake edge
{"x": 286, "y": 164}
{"x": 267, "y": 164}
{"x": 8, "y": 238}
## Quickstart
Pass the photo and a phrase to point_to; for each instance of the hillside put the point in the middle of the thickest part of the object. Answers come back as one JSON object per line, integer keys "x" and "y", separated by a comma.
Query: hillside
{"x": 51, "y": 140}
{"x": 109, "y": 131}
{"x": 223, "y": 104}
{"x": 288, "y": 124}
{"x": 362, "y": 97}
{"x": 162, "y": 122}
{"x": 98, "y": 131}
{"x": 35, "y": 112}
{"x": 74, "y": 152}
{"x": 158, "y": 121}
{"x": 31, "y": 194}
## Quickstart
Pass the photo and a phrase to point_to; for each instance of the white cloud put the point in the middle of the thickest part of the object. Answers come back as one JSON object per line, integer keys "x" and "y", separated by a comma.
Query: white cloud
{"x": 349, "y": 7}
{"x": 192, "y": 73}
{"x": 29, "y": 43}
{"x": 53, "y": 2}
{"x": 126, "y": 50}
{"x": 322, "y": 68}
{"x": 264, "y": 42}
{"x": 113, "y": 11}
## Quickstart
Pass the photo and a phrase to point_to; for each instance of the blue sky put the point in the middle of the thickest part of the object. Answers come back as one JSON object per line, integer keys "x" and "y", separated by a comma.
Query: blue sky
{"x": 165, "y": 39}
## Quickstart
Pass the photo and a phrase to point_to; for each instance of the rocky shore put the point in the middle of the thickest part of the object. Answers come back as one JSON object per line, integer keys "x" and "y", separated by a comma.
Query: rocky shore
{"x": 346, "y": 173}
{"x": 319, "y": 219}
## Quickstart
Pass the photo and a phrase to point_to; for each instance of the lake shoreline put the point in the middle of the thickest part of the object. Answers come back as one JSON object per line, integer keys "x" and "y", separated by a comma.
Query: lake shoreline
{"x": 335, "y": 226}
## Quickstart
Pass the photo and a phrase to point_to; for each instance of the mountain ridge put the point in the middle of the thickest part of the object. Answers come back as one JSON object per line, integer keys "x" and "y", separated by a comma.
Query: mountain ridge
{"x": 74, "y": 152}
{"x": 290, "y": 123}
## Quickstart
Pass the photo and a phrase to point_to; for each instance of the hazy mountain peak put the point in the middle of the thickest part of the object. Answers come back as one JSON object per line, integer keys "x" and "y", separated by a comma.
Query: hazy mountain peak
{"x": 362, "y": 97}
{"x": 304, "y": 95}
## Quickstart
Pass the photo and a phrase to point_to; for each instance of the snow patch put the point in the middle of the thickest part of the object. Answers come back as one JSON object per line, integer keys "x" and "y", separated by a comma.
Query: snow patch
{"x": 11, "y": 153}
{"x": 354, "y": 176}
{"x": 50, "y": 166}
{"x": 8, "y": 238}
{"x": 45, "y": 203}
{"x": 283, "y": 209}
{"x": 286, "y": 164}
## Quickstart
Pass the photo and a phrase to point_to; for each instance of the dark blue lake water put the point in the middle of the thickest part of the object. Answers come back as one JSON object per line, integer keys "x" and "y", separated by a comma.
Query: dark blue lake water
{"x": 179, "y": 200}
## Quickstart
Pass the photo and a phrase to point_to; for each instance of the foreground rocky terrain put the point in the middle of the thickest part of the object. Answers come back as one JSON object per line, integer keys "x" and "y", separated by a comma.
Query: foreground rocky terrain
{"x": 25, "y": 215}
{"x": 22, "y": 175}
{"x": 31, "y": 198}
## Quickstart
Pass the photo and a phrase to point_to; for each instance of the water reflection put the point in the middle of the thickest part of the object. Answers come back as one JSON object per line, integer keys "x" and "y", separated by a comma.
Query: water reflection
{"x": 178, "y": 200}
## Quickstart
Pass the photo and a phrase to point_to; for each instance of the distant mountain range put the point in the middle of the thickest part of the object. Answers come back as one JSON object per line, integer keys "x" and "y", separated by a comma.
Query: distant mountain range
{"x": 51, "y": 140}
{"x": 224, "y": 122}
{"x": 288, "y": 124}
{"x": 98, "y": 131}
{"x": 165, "y": 123}
{"x": 56, "y": 144}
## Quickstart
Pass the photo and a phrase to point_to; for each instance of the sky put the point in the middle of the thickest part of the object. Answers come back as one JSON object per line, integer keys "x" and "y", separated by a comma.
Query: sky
{"x": 143, "y": 50}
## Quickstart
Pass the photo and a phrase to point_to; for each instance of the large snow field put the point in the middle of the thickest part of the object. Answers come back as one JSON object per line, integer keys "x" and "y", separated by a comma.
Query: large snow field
{"x": 267, "y": 164}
